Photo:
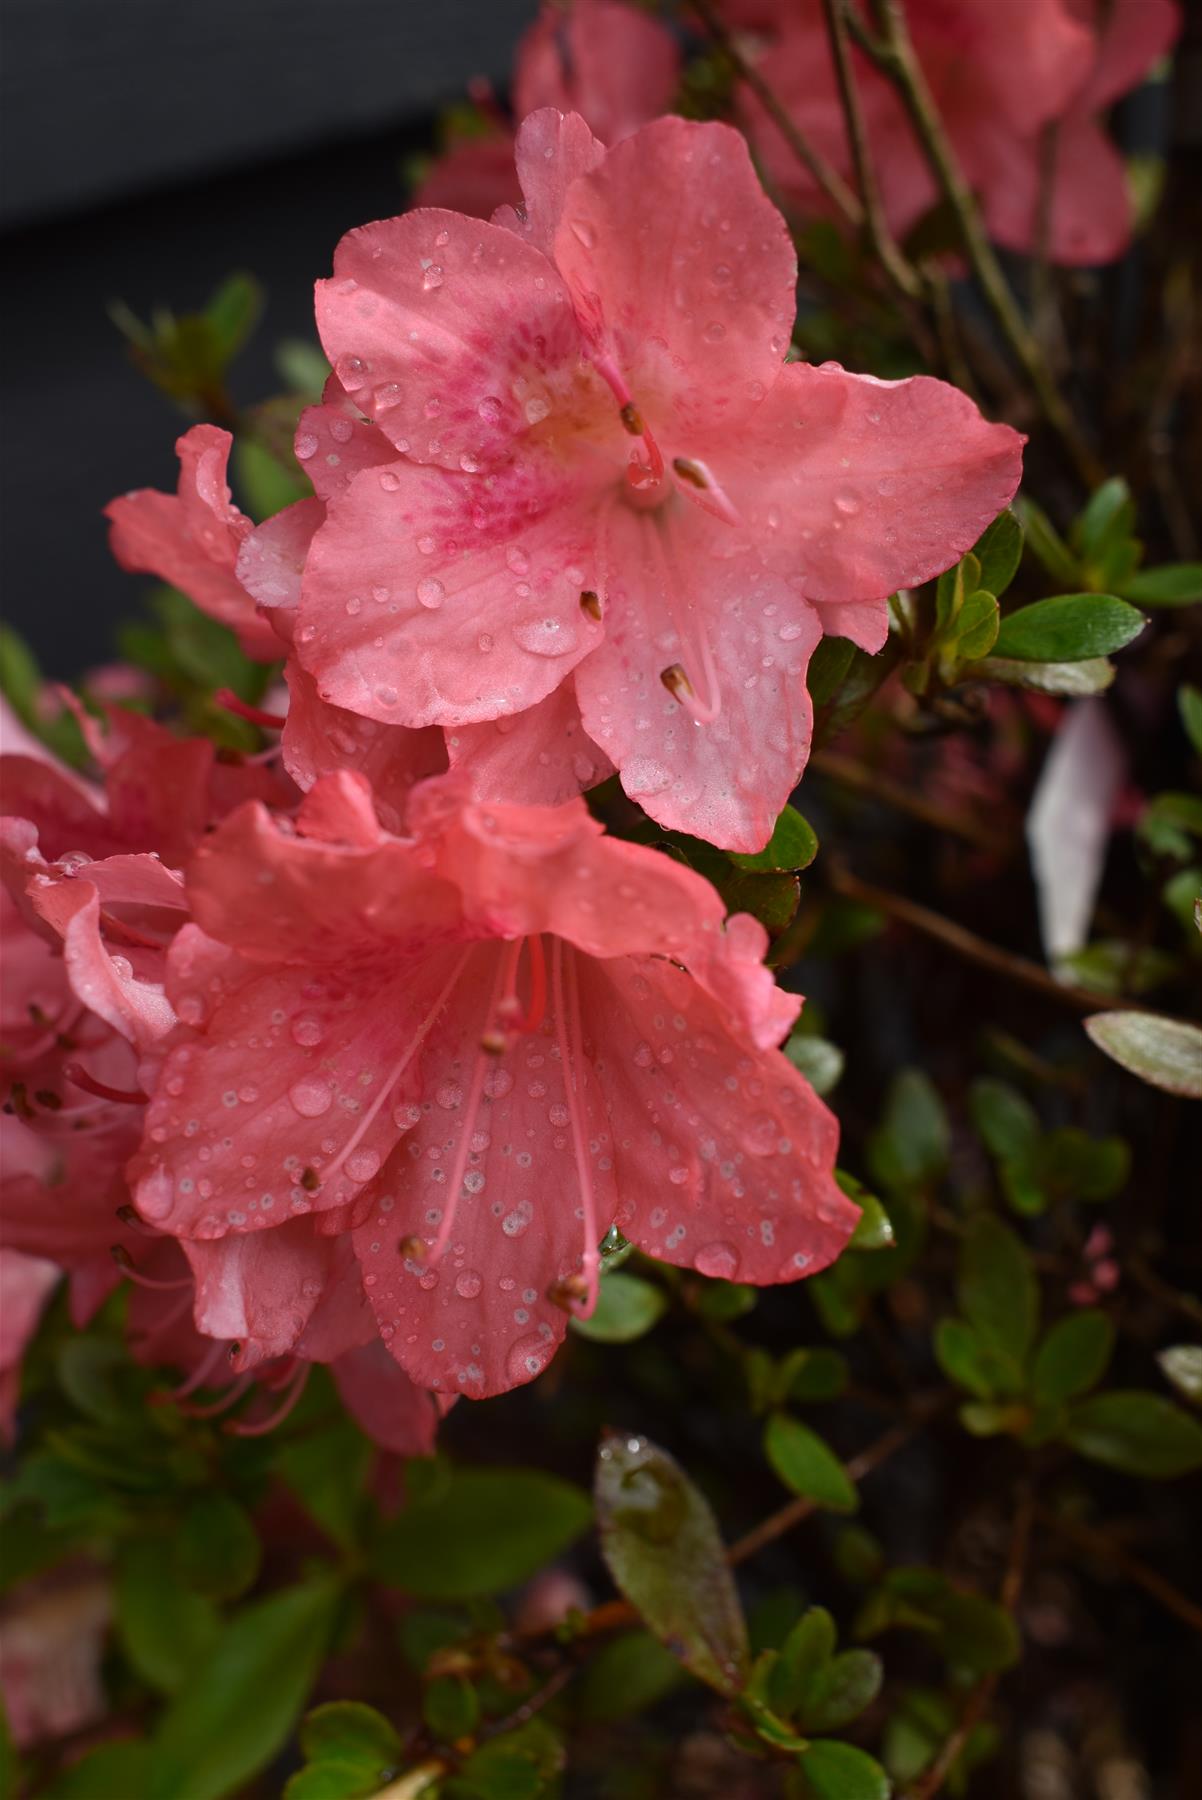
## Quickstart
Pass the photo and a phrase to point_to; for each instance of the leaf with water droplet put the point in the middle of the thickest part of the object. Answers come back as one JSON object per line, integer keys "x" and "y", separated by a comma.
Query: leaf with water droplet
{"x": 663, "y": 1549}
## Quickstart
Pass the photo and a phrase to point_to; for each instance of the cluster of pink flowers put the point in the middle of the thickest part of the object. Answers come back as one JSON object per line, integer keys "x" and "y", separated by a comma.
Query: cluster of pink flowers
{"x": 355, "y": 1052}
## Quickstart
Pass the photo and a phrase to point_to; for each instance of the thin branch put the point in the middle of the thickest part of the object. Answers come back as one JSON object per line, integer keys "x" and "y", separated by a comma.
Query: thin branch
{"x": 968, "y": 945}
{"x": 894, "y": 54}
{"x": 828, "y": 178}
{"x": 877, "y": 236}
{"x": 977, "y": 1704}
{"x": 858, "y": 776}
{"x": 1101, "y": 1545}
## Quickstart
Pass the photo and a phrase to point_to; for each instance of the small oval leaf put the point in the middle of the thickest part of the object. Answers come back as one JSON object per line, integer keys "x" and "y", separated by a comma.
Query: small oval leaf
{"x": 1068, "y": 628}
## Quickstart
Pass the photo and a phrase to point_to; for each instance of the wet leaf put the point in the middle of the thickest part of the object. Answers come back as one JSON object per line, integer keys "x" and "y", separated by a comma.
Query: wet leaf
{"x": 1167, "y": 1053}
{"x": 1093, "y": 676}
{"x": 663, "y": 1549}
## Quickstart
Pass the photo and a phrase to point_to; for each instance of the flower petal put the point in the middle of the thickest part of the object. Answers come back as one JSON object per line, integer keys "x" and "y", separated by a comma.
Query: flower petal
{"x": 552, "y": 149}
{"x": 538, "y": 758}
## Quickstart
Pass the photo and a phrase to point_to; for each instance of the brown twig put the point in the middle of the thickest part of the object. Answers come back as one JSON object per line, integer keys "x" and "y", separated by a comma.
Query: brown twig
{"x": 977, "y": 1704}
{"x": 828, "y": 178}
{"x": 878, "y": 238}
{"x": 851, "y": 774}
{"x": 1101, "y": 1545}
{"x": 967, "y": 944}
{"x": 893, "y": 51}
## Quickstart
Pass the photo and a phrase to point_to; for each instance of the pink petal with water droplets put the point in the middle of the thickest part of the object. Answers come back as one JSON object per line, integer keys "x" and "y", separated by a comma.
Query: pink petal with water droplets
{"x": 272, "y": 560}
{"x": 319, "y": 739}
{"x": 137, "y": 1009}
{"x": 551, "y": 151}
{"x": 682, "y": 272}
{"x": 724, "y": 1157}
{"x": 537, "y": 758}
{"x": 384, "y": 1402}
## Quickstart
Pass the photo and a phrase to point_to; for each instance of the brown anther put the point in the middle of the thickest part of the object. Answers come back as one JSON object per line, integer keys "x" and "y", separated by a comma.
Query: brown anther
{"x": 414, "y": 1248}
{"x": 567, "y": 1292}
{"x": 19, "y": 1101}
{"x": 234, "y": 1352}
{"x": 121, "y": 1256}
{"x": 691, "y": 472}
{"x": 590, "y": 603}
{"x": 49, "y": 1099}
{"x": 632, "y": 419}
{"x": 493, "y": 1043}
{"x": 310, "y": 1180}
{"x": 128, "y": 1216}
{"x": 676, "y": 681}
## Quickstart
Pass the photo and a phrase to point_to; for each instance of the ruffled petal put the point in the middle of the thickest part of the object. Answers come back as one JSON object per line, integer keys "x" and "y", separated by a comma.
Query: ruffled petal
{"x": 537, "y": 758}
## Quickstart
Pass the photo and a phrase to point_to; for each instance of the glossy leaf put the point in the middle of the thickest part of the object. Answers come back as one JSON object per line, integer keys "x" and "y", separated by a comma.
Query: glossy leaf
{"x": 237, "y": 1711}
{"x": 999, "y": 551}
{"x": 486, "y": 1531}
{"x": 792, "y": 846}
{"x": 1070, "y": 679}
{"x": 1138, "y": 1432}
{"x": 348, "y": 1731}
{"x": 1167, "y": 1053}
{"x": 807, "y": 1465}
{"x": 820, "y": 1061}
{"x": 627, "y": 1307}
{"x": 662, "y": 1546}
{"x": 1069, "y": 628}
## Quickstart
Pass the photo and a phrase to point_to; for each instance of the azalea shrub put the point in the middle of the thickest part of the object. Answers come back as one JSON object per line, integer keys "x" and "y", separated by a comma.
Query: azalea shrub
{"x": 469, "y": 1329}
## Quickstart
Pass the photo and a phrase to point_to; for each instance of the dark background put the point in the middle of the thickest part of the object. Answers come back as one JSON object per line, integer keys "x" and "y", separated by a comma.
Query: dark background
{"x": 150, "y": 147}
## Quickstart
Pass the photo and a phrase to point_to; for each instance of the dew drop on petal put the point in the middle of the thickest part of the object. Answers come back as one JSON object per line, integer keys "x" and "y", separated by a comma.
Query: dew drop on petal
{"x": 720, "y": 1261}
{"x": 311, "y": 1098}
{"x": 430, "y": 592}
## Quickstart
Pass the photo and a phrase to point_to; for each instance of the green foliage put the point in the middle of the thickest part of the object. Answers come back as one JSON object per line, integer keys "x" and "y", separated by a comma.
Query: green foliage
{"x": 975, "y": 1636}
{"x": 1068, "y": 628}
{"x": 792, "y": 846}
{"x": 482, "y": 1532}
{"x": 662, "y": 1546}
{"x": 807, "y": 1465}
{"x": 188, "y": 355}
{"x": 627, "y": 1308}
{"x": 1137, "y": 1432}
{"x": 1163, "y": 1052}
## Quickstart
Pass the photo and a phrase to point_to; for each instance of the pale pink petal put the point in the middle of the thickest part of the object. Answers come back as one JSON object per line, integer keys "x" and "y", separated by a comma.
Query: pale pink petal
{"x": 734, "y": 974}
{"x": 858, "y": 486}
{"x": 192, "y": 539}
{"x": 864, "y": 622}
{"x": 333, "y": 444}
{"x": 687, "y": 591}
{"x": 1132, "y": 36}
{"x": 445, "y": 331}
{"x": 319, "y": 738}
{"x": 1092, "y": 215}
{"x": 399, "y": 625}
{"x": 25, "y": 1286}
{"x": 537, "y": 758}
{"x": 1023, "y": 61}
{"x": 608, "y": 61}
{"x": 137, "y": 1009}
{"x": 479, "y": 1321}
{"x": 682, "y": 273}
{"x": 384, "y": 1402}
{"x": 339, "y": 810}
{"x": 272, "y": 559}
{"x": 1069, "y": 823}
{"x": 724, "y": 1157}
{"x": 552, "y": 149}
{"x": 264, "y": 1289}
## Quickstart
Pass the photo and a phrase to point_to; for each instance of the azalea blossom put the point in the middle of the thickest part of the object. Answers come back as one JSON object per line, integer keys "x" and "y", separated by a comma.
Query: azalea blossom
{"x": 1001, "y": 77}
{"x": 606, "y": 482}
{"x": 468, "y": 1052}
{"x": 615, "y": 66}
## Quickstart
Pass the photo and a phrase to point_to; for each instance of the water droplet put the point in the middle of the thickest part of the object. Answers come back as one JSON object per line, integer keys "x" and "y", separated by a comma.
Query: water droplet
{"x": 846, "y": 502}
{"x": 719, "y": 1261}
{"x": 311, "y": 1098}
{"x": 583, "y": 232}
{"x": 468, "y": 1284}
{"x": 546, "y": 636}
{"x": 306, "y": 445}
{"x": 490, "y": 409}
{"x": 387, "y": 696}
{"x": 430, "y": 592}
{"x": 432, "y": 278}
{"x": 362, "y": 1165}
{"x": 390, "y": 481}
{"x": 537, "y": 410}
{"x": 307, "y": 1030}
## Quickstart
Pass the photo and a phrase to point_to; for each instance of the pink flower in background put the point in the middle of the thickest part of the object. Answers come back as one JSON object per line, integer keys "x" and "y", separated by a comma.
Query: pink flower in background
{"x": 26, "y": 1283}
{"x": 1000, "y": 76}
{"x": 604, "y": 469}
{"x": 613, "y": 65}
{"x": 191, "y": 539}
{"x": 472, "y": 1049}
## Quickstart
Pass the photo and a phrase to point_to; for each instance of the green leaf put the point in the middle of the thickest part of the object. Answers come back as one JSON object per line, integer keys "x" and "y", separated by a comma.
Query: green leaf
{"x": 998, "y": 1292}
{"x": 726, "y": 1300}
{"x": 264, "y": 485}
{"x": 1189, "y": 706}
{"x": 450, "y": 1707}
{"x": 836, "y": 1771}
{"x": 792, "y": 846}
{"x": 1172, "y": 584}
{"x": 661, "y": 1544}
{"x": 1072, "y": 679}
{"x": 1139, "y": 1432}
{"x": 486, "y": 1531}
{"x": 1182, "y": 1365}
{"x": 874, "y": 1228}
{"x": 999, "y": 551}
{"x": 1007, "y": 1123}
{"x": 913, "y": 1142}
{"x": 347, "y": 1731}
{"x": 807, "y": 1465}
{"x": 628, "y": 1675}
{"x": 303, "y": 366}
{"x": 977, "y": 1635}
{"x": 1167, "y": 1053}
{"x": 841, "y": 1691}
{"x": 332, "y": 1781}
{"x": 976, "y": 627}
{"x": 1045, "y": 542}
{"x": 166, "y": 1629}
{"x": 217, "y": 1549}
{"x": 327, "y": 1472}
{"x": 828, "y": 668}
{"x": 110, "y": 1770}
{"x": 820, "y": 1061}
{"x": 233, "y": 312}
{"x": 818, "y": 1374}
{"x": 974, "y": 1364}
{"x": 515, "y": 1766}
{"x": 9, "y": 1762}
{"x": 237, "y": 1711}
{"x": 1068, "y": 628}
{"x": 1072, "y": 1357}
{"x": 627, "y": 1307}
{"x": 805, "y": 1653}
{"x": 1106, "y": 520}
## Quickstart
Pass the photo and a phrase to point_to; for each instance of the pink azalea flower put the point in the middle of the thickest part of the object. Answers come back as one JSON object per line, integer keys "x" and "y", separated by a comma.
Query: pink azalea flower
{"x": 602, "y": 468}
{"x": 26, "y": 1283}
{"x": 614, "y": 66}
{"x": 999, "y": 76}
{"x": 471, "y": 1049}
{"x": 191, "y": 539}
